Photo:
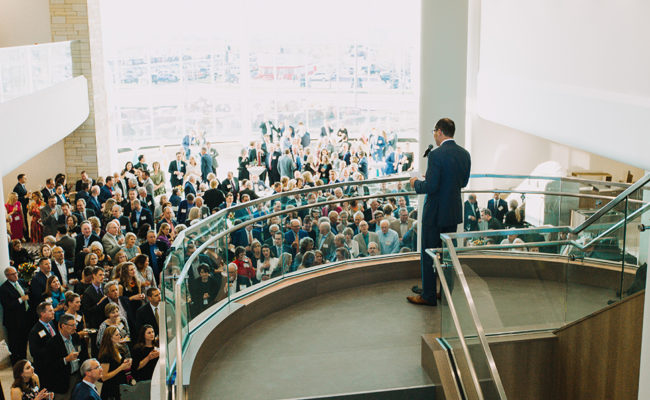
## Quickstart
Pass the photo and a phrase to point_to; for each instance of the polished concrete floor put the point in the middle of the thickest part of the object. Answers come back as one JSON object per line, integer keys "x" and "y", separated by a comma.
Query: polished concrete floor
{"x": 369, "y": 338}
{"x": 348, "y": 341}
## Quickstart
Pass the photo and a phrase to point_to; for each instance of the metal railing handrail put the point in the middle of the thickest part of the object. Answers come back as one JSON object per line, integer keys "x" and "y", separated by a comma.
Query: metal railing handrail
{"x": 621, "y": 197}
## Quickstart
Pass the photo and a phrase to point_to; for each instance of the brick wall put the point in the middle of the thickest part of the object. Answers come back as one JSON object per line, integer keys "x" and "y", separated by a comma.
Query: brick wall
{"x": 70, "y": 21}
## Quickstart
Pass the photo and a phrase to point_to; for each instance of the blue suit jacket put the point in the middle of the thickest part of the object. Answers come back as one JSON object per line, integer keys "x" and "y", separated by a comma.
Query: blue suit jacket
{"x": 84, "y": 392}
{"x": 448, "y": 169}
{"x": 499, "y": 210}
{"x": 390, "y": 164}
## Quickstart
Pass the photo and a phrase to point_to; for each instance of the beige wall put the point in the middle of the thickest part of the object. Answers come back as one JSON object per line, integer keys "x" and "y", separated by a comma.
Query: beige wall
{"x": 499, "y": 149}
{"x": 24, "y": 22}
{"x": 45, "y": 165}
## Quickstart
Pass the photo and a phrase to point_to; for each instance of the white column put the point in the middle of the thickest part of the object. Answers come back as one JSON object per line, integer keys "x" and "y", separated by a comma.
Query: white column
{"x": 644, "y": 372}
{"x": 443, "y": 71}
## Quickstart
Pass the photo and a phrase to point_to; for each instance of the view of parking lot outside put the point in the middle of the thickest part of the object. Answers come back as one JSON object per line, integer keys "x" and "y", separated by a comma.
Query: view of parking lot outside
{"x": 224, "y": 67}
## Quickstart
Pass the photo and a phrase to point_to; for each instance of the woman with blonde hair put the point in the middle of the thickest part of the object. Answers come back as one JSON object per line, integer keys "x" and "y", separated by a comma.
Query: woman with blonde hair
{"x": 165, "y": 234}
{"x": 36, "y": 226}
{"x": 96, "y": 224}
{"x": 130, "y": 247}
{"x": 113, "y": 319}
{"x": 158, "y": 178}
{"x": 15, "y": 216}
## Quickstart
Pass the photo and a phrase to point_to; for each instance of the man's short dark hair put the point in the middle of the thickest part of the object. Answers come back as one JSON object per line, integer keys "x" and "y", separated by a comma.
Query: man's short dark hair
{"x": 65, "y": 319}
{"x": 40, "y": 309}
{"x": 140, "y": 157}
{"x": 61, "y": 229}
{"x": 41, "y": 260}
{"x": 97, "y": 270}
{"x": 151, "y": 290}
{"x": 48, "y": 181}
{"x": 204, "y": 268}
{"x": 447, "y": 127}
{"x": 20, "y": 176}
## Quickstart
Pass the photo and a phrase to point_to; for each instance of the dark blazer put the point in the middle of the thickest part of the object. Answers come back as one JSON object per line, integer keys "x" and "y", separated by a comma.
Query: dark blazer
{"x": 206, "y": 166}
{"x": 448, "y": 168}
{"x": 38, "y": 339}
{"x": 21, "y": 192}
{"x": 145, "y": 218}
{"x": 37, "y": 286}
{"x": 105, "y": 193}
{"x": 93, "y": 312}
{"x": 471, "y": 210}
{"x": 77, "y": 186}
{"x": 213, "y": 197}
{"x": 144, "y": 316}
{"x": 46, "y": 194}
{"x": 89, "y": 213}
{"x": 183, "y": 211}
{"x": 148, "y": 202}
{"x": 57, "y": 378}
{"x": 68, "y": 245}
{"x": 95, "y": 205}
{"x": 69, "y": 266}
{"x": 145, "y": 248}
{"x": 498, "y": 210}
{"x": 274, "y": 250}
{"x": 78, "y": 251}
{"x": 173, "y": 168}
{"x": 230, "y": 186}
{"x": 189, "y": 188}
{"x": 84, "y": 392}
{"x": 13, "y": 310}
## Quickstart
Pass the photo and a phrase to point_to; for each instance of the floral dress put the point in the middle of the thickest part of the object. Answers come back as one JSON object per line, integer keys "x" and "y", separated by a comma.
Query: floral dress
{"x": 36, "y": 227}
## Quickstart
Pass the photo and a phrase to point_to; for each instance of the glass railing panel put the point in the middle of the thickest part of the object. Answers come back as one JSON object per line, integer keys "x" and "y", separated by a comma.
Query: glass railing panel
{"x": 463, "y": 333}
{"x": 26, "y": 69}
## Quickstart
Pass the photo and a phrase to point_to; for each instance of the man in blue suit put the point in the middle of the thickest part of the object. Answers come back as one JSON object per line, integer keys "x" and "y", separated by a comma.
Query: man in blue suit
{"x": 91, "y": 370}
{"x": 498, "y": 207}
{"x": 448, "y": 169}
{"x": 206, "y": 164}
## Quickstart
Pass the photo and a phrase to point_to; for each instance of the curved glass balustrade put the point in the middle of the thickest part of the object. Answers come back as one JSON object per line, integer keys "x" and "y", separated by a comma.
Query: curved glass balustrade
{"x": 218, "y": 260}
{"x": 26, "y": 69}
{"x": 559, "y": 274}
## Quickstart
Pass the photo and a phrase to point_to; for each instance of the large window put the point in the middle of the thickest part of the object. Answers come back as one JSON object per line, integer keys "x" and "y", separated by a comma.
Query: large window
{"x": 223, "y": 67}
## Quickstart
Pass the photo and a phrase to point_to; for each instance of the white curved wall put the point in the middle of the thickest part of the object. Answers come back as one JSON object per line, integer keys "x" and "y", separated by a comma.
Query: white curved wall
{"x": 571, "y": 72}
{"x": 41, "y": 119}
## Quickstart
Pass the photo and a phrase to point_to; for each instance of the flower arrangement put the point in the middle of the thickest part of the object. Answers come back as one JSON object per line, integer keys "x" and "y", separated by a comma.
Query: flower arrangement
{"x": 478, "y": 242}
{"x": 26, "y": 271}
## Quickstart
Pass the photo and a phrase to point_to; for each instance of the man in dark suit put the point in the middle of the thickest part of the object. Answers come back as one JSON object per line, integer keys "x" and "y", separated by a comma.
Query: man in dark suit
{"x": 84, "y": 179}
{"x": 82, "y": 212}
{"x": 48, "y": 190}
{"x": 146, "y": 200}
{"x": 21, "y": 190}
{"x": 91, "y": 370}
{"x": 272, "y": 164}
{"x": 156, "y": 251}
{"x": 230, "y": 184}
{"x": 63, "y": 360}
{"x": 498, "y": 207}
{"x": 471, "y": 213}
{"x": 278, "y": 247}
{"x": 41, "y": 333}
{"x": 17, "y": 314}
{"x": 93, "y": 300}
{"x": 213, "y": 197}
{"x": 140, "y": 215}
{"x": 206, "y": 164}
{"x": 39, "y": 280}
{"x": 177, "y": 169}
{"x": 293, "y": 236}
{"x": 448, "y": 168}
{"x": 93, "y": 201}
{"x": 149, "y": 313}
{"x": 66, "y": 242}
{"x": 82, "y": 247}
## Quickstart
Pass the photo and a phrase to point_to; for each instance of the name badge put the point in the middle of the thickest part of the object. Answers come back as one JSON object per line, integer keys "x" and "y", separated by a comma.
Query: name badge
{"x": 205, "y": 302}
{"x": 70, "y": 270}
{"x": 16, "y": 218}
{"x": 325, "y": 245}
{"x": 41, "y": 334}
{"x": 78, "y": 318}
{"x": 143, "y": 218}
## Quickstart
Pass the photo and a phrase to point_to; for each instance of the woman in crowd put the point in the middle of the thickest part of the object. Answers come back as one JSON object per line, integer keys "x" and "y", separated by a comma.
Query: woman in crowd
{"x": 318, "y": 258}
{"x": 128, "y": 172}
{"x": 204, "y": 289}
{"x": 114, "y": 363}
{"x": 120, "y": 257}
{"x": 306, "y": 244}
{"x": 141, "y": 236}
{"x": 114, "y": 320}
{"x": 324, "y": 168}
{"x": 96, "y": 224}
{"x": 91, "y": 260}
{"x": 130, "y": 286}
{"x": 266, "y": 265}
{"x": 144, "y": 272}
{"x": 36, "y": 226}
{"x": 514, "y": 217}
{"x": 246, "y": 274}
{"x": 103, "y": 260}
{"x": 158, "y": 179}
{"x": 130, "y": 248}
{"x": 255, "y": 254}
{"x": 307, "y": 260}
{"x": 165, "y": 234}
{"x": 194, "y": 216}
{"x": 26, "y": 383}
{"x": 351, "y": 244}
{"x": 242, "y": 161}
{"x": 72, "y": 225}
{"x": 145, "y": 353}
{"x": 55, "y": 296}
{"x": 18, "y": 253}
{"x": 72, "y": 307}
{"x": 44, "y": 251}
{"x": 15, "y": 216}
{"x": 310, "y": 166}
{"x": 193, "y": 169}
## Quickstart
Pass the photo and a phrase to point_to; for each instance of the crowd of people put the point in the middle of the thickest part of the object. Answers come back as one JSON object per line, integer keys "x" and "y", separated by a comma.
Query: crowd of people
{"x": 99, "y": 245}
